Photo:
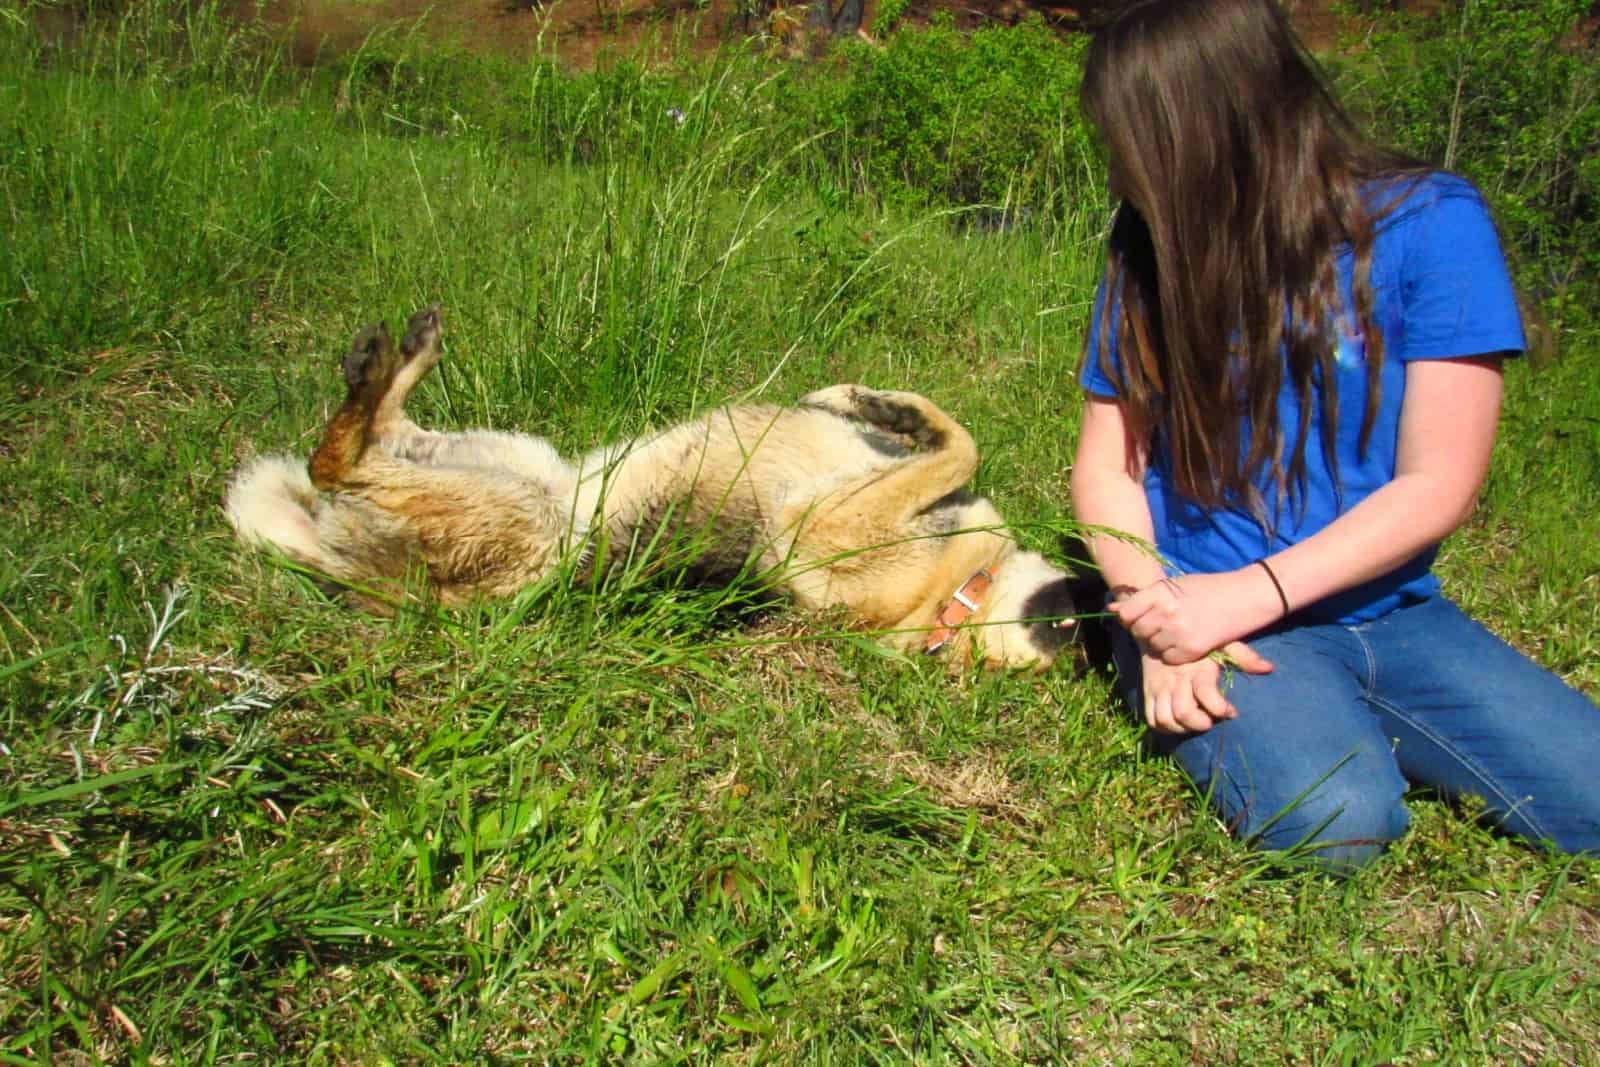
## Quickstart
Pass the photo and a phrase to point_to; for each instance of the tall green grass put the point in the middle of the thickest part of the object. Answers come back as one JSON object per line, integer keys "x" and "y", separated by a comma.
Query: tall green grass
{"x": 631, "y": 822}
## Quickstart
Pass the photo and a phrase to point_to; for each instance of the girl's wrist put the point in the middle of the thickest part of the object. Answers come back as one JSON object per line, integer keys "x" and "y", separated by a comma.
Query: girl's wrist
{"x": 1277, "y": 587}
{"x": 1261, "y": 600}
{"x": 1256, "y": 595}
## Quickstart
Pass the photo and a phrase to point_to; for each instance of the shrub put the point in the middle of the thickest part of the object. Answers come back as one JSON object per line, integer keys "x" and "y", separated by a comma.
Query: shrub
{"x": 940, "y": 116}
{"x": 1506, "y": 92}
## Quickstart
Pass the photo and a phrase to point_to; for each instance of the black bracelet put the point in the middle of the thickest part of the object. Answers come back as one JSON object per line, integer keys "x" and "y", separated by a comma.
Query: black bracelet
{"x": 1282, "y": 597}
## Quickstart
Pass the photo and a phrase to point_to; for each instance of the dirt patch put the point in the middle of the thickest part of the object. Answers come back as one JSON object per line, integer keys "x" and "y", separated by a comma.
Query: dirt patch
{"x": 581, "y": 33}
{"x": 578, "y": 33}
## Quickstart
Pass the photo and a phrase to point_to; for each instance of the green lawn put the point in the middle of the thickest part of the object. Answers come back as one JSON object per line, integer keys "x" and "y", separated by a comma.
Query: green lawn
{"x": 626, "y": 820}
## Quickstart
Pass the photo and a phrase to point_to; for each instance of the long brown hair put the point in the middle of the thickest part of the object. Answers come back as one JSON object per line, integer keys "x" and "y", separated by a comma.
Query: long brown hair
{"x": 1241, "y": 177}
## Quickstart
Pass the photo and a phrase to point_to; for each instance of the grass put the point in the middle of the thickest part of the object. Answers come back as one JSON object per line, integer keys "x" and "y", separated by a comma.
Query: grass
{"x": 629, "y": 821}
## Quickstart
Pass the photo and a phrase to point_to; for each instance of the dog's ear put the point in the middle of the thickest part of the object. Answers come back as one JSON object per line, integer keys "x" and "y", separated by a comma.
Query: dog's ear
{"x": 1075, "y": 550}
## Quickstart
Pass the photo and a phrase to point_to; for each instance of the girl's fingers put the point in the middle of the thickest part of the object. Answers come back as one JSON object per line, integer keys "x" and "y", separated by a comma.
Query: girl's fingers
{"x": 1166, "y": 718}
{"x": 1175, "y": 711}
{"x": 1211, "y": 699}
{"x": 1187, "y": 713}
{"x": 1246, "y": 658}
{"x": 1134, "y": 606}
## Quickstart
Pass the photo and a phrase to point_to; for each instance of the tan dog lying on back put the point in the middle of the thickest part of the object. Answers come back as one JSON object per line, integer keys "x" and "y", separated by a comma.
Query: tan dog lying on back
{"x": 849, "y": 499}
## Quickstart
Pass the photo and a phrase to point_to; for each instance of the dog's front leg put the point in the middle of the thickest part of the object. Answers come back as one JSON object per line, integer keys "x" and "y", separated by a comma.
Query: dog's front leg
{"x": 945, "y": 459}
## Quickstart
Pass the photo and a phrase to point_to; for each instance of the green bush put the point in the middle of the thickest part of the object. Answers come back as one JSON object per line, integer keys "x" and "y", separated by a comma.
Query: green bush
{"x": 1506, "y": 92}
{"x": 941, "y": 116}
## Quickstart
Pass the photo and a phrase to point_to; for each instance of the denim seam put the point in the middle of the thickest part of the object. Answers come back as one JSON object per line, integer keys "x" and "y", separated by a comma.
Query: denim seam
{"x": 1372, "y": 662}
{"x": 1464, "y": 759}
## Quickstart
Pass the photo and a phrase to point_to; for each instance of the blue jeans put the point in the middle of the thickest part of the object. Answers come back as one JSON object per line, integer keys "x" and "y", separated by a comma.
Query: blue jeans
{"x": 1323, "y": 747}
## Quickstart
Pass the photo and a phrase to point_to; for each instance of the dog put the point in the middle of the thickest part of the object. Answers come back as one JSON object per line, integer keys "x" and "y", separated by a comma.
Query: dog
{"x": 850, "y": 499}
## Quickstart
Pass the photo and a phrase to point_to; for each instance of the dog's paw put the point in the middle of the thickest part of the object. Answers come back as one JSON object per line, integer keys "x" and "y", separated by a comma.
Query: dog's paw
{"x": 895, "y": 412}
{"x": 899, "y": 413}
{"x": 422, "y": 332}
{"x": 906, "y": 414}
{"x": 371, "y": 362}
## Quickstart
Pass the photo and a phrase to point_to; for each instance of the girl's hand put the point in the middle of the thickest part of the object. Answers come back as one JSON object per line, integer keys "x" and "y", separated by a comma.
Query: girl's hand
{"x": 1188, "y": 697}
{"x": 1181, "y": 620}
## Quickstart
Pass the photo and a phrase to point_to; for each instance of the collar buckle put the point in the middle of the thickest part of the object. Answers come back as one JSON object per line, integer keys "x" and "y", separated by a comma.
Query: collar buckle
{"x": 963, "y": 604}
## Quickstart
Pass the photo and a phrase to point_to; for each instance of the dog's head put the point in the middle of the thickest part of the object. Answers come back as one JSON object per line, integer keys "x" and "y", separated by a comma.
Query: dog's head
{"x": 1030, "y": 614}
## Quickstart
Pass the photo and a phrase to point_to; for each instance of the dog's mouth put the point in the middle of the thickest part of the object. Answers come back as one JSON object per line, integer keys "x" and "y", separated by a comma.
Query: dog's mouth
{"x": 1052, "y": 607}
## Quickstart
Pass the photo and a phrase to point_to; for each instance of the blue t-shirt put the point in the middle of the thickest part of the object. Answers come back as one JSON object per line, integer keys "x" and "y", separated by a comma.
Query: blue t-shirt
{"x": 1441, "y": 291}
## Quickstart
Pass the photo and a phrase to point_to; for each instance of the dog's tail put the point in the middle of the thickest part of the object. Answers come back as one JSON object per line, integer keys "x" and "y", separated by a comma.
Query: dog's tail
{"x": 272, "y": 503}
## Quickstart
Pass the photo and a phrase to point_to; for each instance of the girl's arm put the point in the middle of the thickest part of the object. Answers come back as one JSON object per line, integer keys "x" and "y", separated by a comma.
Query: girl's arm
{"x": 1108, "y": 491}
{"x": 1447, "y": 426}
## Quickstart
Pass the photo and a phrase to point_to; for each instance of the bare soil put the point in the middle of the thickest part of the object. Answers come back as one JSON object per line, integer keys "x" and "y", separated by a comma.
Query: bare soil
{"x": 583, "y": 33}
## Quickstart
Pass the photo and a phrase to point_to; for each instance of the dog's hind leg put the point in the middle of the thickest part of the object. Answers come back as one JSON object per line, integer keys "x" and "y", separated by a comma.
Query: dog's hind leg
{"x": 379, "y": 378}
{"x": 369, "y": 371}
{"x": 271, "y": 501}
{"x": 480, "y": 523}
{"x": 419, "y": 353}
{"x": 477, "y": 530}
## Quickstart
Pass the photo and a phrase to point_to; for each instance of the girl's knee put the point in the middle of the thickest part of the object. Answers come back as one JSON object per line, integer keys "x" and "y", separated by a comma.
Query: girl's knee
{"x": 1341, "y": 824}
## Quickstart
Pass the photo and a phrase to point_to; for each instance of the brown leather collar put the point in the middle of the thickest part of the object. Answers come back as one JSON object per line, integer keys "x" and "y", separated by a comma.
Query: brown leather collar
{"x": 963, "y": 604}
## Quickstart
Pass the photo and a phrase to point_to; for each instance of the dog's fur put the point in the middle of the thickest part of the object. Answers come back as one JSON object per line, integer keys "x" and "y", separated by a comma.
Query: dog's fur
{"x": 850, "y": 499}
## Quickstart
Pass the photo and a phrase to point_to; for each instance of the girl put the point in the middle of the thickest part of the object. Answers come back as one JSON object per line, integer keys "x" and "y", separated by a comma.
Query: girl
{"x": 1293, "y": 377}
